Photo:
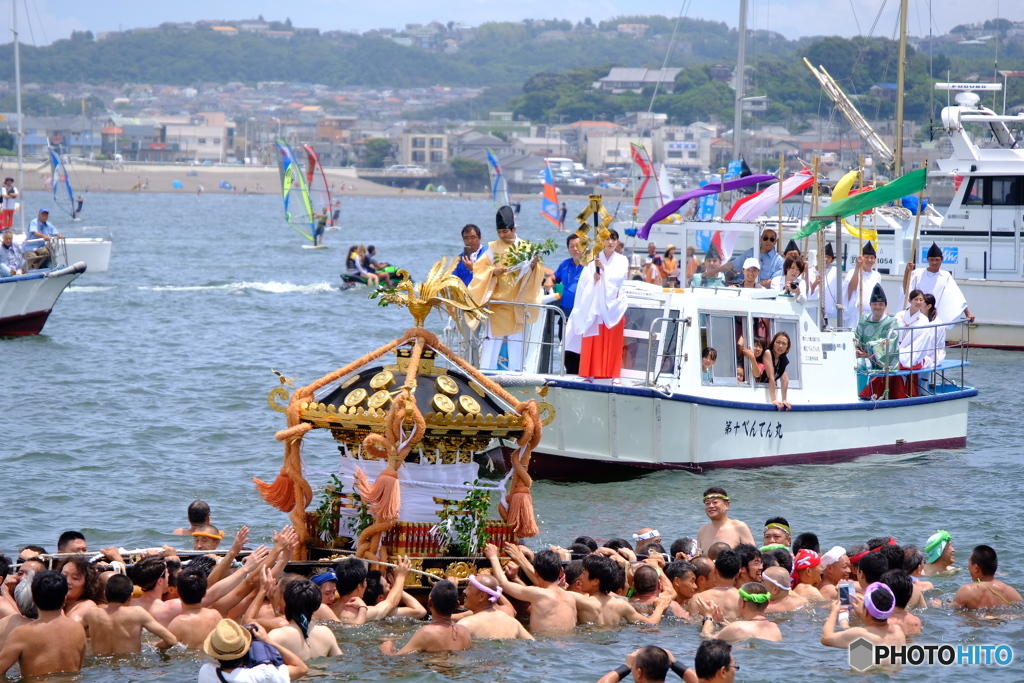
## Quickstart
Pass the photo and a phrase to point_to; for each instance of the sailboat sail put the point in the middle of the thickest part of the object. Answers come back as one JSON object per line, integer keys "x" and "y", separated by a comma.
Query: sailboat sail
{"x": 665, "y": 186}
{"x": 549, "y": 197}
{"x": 316, "y": 182}
{"x": 298, "y": 210}
{"x": 647, "y": 198}
{"x": 63, "y": 196}
{"x": 499, "y": 186}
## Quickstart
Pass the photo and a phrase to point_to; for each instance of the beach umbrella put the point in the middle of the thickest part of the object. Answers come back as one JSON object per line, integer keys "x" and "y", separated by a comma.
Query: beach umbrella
{"x": 177, "y": 184}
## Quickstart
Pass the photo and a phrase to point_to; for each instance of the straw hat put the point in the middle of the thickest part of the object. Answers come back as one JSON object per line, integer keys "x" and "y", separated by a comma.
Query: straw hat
{"x": 227, "y": 641}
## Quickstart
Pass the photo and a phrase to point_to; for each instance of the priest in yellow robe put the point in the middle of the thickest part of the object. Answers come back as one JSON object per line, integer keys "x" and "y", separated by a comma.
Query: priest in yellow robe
{"x": 495, "y": 279}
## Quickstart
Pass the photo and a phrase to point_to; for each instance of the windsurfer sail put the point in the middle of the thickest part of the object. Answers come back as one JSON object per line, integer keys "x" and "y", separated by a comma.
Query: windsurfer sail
{"x": 549, "y": 197}
{"x": 316, "y": 182}
{"x": 61, "y": 186}
{"x": 499, "y": 186}
{"x": 298, "y": 210}
{"x": 647, "y": 198}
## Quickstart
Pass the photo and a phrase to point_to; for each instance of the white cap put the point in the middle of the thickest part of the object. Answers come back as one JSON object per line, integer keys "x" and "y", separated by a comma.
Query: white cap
{"x": 751, "y": 263}
{"x": 832, "y": 555}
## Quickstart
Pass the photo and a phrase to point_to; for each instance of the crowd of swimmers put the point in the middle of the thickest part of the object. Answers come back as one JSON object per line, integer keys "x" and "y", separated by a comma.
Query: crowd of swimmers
{"x": 255, "y": 613}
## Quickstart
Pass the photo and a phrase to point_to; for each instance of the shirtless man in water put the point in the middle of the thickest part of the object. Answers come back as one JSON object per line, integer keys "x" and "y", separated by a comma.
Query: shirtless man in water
{"x": 601, "y": 579}
{"x": 116, "y": 628}
{"x": 53, "y": 642}
{"x": 486, "y": 620}
{"x": 874, "y": 609}
{"x": 723, "y": 593}
{"x": 987, "y": 590}
{"x": 721, "y": 529}
{"x": 783, "y": 599}
{"x": 442, "y": 634}
{"x": 150, "y": 573}
{"x": 751, "y": 623}
{"x": 553, "y": 609}
{"x": 195, "y": 621}
{"x": 198, "y": 514}
{"x": 301, "y": 600}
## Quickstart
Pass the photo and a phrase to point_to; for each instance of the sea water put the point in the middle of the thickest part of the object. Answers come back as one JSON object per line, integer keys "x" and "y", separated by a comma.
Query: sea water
{"x": 148, "y": 389}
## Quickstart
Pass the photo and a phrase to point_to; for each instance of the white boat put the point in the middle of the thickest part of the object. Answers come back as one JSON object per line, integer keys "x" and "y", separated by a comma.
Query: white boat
{"x": 26, "y": 300}
{"x": 92, "y": 246}
{"x": 666, "y": 415}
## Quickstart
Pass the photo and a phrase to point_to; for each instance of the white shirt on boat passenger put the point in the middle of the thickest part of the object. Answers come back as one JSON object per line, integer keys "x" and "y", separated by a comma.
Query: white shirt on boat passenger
{"x": 950, "y": 303}
{"x": 859, "y": 305}
{"x": 779, "y": 285}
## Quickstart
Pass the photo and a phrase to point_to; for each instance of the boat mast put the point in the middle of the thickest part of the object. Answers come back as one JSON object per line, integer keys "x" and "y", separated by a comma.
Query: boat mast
{"x": 17, "y": 100}
{"x": 900, "y": 79}
{"x": 741, "y": 57}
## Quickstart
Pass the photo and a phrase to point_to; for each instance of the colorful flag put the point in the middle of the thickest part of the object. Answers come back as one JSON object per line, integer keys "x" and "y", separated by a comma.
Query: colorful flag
{"x": 910, "y": 183}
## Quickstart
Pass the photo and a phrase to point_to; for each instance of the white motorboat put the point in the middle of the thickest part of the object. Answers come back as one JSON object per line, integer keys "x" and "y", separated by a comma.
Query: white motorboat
{"x": 666, "y": 414}
{"x": 26, "y": 300}
{"x": 92, "y": 247}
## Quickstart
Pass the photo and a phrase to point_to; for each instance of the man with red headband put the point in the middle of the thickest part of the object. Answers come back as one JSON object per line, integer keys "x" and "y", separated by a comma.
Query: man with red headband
{"x": 874, "y": 610}
{"x": 807, "y": 572}
{"x": 721, "y": 529}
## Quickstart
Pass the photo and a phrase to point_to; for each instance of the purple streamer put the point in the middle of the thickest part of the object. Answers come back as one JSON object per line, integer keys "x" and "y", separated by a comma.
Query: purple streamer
{"x": 711, "y": 188}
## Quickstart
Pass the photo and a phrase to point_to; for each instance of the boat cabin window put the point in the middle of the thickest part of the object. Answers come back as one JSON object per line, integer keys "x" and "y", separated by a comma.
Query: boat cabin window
{"x": 791, "y": 327}
{"x": 995, "y": 191}
{"x": 638, "y": 337}
{"x": 975, "y": 194}
{"x": 721, "y": 331}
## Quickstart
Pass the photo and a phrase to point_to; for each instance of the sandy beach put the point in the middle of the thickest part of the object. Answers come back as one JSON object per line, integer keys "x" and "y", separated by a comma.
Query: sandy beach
{"x": 128, "y": 177}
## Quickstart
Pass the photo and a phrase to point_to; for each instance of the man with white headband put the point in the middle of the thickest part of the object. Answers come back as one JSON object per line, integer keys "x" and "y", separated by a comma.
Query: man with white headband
{"x": 487, "y": 621}
{"x": 783, "y": 599}
{"x": 645, "y": 537}
{"x": 874, "y": 610}
{"x": 835, "y": 564}
{"x": 721, "y": 529}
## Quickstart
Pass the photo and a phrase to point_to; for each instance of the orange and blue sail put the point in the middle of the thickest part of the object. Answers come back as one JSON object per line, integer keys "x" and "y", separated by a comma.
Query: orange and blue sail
{"x": 549, "y": 196}
{"x": 499, "y": 186}
{"x": 298, "y": 210}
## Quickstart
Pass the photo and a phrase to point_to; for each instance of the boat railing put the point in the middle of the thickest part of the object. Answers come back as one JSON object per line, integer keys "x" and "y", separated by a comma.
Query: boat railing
{"x": 58, "y": 252}
{"x": 658, "y": 360}
{"x": 543, "y": 339}
{"x": 936, "y": 376}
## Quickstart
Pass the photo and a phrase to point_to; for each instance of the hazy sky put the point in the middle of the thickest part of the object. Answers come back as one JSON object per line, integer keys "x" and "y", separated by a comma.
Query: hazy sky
{"x": 49, "y": 20}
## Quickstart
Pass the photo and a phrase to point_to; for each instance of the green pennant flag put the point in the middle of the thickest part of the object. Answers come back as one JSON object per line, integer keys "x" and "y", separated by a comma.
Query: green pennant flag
{"x": 908, "y": 184}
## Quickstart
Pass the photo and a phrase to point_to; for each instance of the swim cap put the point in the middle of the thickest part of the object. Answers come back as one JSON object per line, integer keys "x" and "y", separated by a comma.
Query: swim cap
{"x": 936, "y": 545}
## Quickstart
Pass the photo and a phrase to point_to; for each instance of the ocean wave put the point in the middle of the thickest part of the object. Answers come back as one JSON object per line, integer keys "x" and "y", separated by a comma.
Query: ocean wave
{"x": 269, "y": 287}
{"x": 90, "y": 288}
